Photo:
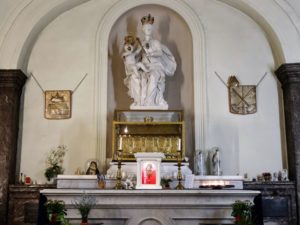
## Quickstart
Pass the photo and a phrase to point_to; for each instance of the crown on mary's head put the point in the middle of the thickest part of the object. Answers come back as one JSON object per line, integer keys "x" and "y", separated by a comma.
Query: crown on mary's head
{"x": 147, "y": 19}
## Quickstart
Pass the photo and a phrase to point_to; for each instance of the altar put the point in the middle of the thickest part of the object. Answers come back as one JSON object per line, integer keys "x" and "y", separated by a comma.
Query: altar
{"x": 153, "y": 207}
{"x": 148, "y": 148}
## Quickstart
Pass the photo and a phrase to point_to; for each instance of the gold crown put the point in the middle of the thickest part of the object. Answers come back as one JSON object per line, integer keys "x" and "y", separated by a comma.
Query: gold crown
{"x": 129, "y": 39}
{"x": 147, "y": 19}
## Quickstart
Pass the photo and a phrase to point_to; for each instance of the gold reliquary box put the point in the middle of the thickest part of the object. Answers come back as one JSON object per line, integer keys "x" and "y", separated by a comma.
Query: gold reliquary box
{"x": 148, "y": 131}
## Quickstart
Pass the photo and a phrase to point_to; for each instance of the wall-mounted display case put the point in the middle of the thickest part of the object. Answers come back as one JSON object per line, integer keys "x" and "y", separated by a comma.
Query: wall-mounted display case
{"x": 148, "y": 131}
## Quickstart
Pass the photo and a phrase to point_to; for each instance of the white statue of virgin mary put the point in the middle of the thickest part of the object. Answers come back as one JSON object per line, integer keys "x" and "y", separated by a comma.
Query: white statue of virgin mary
{"x": 145, "y": 78}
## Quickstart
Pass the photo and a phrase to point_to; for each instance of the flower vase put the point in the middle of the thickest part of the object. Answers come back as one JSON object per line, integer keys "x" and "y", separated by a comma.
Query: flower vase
{"x": 52, "y": 181}
{"x": 54, "y": 219}
{"x": 84, "y": 221}
{"x": 242, "y": 220}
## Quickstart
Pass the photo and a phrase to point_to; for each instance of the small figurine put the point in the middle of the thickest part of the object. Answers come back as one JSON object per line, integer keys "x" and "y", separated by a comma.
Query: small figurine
{"x": 101, "y": 181}
{"x": 79, "y": 171}
{"x": 129, "y": 182}
{"x": 200, "y": 163}
{"x": 216, "y": 163}
{"x": 285, "y": 176}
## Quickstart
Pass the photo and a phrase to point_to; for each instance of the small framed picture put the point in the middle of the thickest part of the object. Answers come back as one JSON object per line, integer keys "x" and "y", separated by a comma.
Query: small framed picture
{"x": 148, "y": 170}
{"x": 58, "y": 104}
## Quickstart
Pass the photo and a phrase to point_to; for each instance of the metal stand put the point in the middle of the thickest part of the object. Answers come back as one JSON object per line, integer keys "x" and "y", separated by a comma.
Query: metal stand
{"x": 179, "y": 174}
{"x": 119, "y": 171}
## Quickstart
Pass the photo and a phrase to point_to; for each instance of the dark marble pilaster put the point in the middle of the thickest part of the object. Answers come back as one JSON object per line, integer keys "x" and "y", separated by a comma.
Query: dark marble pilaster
{"x": 11, "y": 84}
{"x": 24, "y": 204}
{"x": 289, "y": 76}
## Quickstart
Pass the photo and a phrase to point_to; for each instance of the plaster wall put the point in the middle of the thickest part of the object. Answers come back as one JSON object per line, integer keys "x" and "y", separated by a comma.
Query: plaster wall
{"x": 235, "y": 44}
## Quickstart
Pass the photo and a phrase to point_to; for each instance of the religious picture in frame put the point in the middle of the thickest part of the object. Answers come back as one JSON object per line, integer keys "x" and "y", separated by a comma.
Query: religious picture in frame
{"x": 148, "y": 172}
{"x": 58, "y": 104}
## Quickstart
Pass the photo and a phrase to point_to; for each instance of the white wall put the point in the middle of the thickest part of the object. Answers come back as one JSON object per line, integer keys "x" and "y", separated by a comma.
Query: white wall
{"x": 63, "y": 53}
{"x": 237, "y": 46}
{"x": 61, "y": 56}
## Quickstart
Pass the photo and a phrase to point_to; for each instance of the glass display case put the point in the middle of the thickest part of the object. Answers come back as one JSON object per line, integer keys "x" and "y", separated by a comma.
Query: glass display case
{"x": 148, "y": 131}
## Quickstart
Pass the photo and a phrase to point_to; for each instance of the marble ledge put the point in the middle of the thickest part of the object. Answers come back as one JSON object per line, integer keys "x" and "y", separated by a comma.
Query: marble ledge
{"x": 149, "y": 192}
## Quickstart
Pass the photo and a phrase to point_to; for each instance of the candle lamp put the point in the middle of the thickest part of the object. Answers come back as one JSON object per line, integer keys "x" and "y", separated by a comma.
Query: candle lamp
{"x": 119, "y": 171}
{"x": 179, "y": 174}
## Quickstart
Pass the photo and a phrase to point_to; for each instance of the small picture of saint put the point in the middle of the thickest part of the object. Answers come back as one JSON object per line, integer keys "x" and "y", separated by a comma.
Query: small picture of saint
{"x": 92, "y": 169}
{"x": 148, "y": 173}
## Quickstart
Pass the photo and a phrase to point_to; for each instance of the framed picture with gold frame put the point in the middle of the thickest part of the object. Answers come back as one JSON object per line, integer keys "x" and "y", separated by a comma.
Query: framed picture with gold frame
{"x": 58, "y": 104}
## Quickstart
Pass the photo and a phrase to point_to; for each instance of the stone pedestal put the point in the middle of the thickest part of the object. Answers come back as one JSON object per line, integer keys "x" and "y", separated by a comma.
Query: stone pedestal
{"x": 11, "y": 84}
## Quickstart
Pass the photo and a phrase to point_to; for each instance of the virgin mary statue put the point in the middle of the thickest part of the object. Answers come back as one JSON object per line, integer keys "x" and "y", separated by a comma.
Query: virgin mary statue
{"x": 145, "y": 78}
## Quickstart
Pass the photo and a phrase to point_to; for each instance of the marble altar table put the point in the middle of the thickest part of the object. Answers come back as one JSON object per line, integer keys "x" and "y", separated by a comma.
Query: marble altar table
{"x": 154, "y": 207}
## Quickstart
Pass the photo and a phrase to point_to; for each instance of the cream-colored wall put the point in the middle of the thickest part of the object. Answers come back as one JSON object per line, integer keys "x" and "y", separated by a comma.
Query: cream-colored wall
{"x": 61, "y": 56}
{"x": 64, "y": 52}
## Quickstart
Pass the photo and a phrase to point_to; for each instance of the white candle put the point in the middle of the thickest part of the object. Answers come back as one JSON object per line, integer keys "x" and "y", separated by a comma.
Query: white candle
{"x": 179, "y": 144}
{"x": 120, "y": 142}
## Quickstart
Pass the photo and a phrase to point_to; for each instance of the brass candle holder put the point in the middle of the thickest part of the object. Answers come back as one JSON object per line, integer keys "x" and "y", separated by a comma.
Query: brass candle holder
{"x": 179, "y": 174}
{"x": 119, "y": 171}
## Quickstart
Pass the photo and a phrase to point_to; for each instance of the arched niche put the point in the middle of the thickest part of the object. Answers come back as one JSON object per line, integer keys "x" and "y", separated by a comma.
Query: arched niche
{"x": 171, "y": 30}
{"x": 102, "y": 69}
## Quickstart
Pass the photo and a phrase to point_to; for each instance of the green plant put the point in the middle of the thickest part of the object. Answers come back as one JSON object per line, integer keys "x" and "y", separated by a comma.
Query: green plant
{"x": 54, "y": 162}
{"x": 242, "y": 211}
{"x": 66, "y": 222}
{"x": 56, "y": 210}
{"x": 84, "y": 206}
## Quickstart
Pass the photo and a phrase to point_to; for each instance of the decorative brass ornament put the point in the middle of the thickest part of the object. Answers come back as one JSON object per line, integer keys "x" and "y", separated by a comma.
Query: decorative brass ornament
{"x": 58, "y": 104}
{"x": 242, "y": 98}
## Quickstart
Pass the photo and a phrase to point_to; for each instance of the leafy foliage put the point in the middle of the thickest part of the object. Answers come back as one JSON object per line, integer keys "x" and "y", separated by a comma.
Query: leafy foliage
{"x": 56, "y": 210}
{"x": 242, "y": 211}
{"x": 54, "y": 162}
{"x": 85, "y": 205}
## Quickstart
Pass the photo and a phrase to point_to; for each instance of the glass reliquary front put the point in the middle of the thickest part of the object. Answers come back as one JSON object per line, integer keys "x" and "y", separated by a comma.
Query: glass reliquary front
{"x": 148, "y": 131}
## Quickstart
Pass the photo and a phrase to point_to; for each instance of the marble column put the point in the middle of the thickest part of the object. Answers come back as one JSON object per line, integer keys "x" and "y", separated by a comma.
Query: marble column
{"x": 11, "y": 84}
{"x": 289, "y": 76}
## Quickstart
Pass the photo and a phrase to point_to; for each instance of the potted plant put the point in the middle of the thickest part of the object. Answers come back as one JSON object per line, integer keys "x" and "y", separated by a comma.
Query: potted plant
{"x": 84, "y": 207}
{"x": 56, "y": 211}
{"x": 242, "y": 212}
{"x": 54, "y": 162}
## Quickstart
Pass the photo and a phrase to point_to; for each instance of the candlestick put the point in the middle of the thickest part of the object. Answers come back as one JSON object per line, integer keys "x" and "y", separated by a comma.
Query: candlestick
{"x": 119, "y": 171}
{"x": 179, "y": 174}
